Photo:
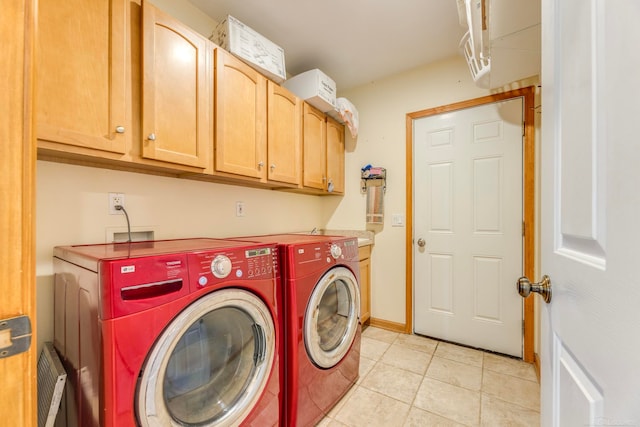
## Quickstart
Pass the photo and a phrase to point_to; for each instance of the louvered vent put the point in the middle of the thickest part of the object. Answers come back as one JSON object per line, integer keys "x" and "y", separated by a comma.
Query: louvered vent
{"x": 51, "y": 380}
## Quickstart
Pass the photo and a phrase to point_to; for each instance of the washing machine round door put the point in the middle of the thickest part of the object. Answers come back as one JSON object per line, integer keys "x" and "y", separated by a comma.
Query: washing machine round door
{"x": 210, "y": 365}
{"x": 332, "y": 317}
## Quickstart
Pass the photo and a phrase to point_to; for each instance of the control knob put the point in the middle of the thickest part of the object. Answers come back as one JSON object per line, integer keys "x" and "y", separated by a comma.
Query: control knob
{"x": 336, "y": 251}
{"x": 221, "y": 266}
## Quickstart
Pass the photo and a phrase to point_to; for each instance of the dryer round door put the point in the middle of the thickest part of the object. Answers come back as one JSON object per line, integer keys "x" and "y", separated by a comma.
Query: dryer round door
{"x": 332, "y": 317}
{"x": 210, "y": 365}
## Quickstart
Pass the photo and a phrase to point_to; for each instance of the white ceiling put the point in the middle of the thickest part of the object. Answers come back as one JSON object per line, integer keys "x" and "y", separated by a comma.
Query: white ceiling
{"x": 353, "y": 41}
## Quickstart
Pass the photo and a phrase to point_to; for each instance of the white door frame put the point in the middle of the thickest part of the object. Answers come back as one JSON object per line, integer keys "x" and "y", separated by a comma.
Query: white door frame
{"x": 528, "y": 95}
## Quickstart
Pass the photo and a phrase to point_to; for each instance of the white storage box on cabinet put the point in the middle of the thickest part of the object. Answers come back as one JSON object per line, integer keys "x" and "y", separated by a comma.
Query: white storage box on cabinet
{"x": 315, "y": 87}
{"x": 250, "y": 46}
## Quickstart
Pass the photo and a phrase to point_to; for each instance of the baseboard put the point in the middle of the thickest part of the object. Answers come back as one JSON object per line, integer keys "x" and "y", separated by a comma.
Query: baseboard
{"x": 536, "y": 364}
{"x": 388, "y": 325}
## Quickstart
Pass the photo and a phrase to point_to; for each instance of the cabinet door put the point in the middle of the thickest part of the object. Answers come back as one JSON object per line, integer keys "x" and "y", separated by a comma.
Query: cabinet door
{"x": 81, "y": 75}
{"x": 176, "y": 118}
{"x": 365, "y": 284}
{"x": 314, "y": 148}
{"x": 335, "y": 156}
{"x": 240, "y": 117}
{"x": 284, "y": 143}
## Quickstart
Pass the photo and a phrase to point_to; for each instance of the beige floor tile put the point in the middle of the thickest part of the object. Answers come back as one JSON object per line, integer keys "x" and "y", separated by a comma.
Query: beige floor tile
{"x": 496, "y": 412}
{"x": 459, "y": 354}
{"x": 380, "y": 334}
{"x": 513, "y": 367}
{"x": 449, "y": 401}
{"x": 372, "y": 349}
{"x": 416, "y": 342}
{"x": 332, "y": 413}
{"x": 330, "y": 422}
{"x": 455, "y": 373}
{"x": 366, "y": 408}
{"x": 420, "y": 418}
{"x": 460, "y": 386}
{"x": 394, "y": 382}
{"x": 365, "y": 366}
{"x": 406, "y": 358}
{"x": 511, "y": 389}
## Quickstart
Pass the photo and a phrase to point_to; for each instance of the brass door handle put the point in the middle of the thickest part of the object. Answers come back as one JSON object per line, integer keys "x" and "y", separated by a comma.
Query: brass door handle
{"x": 525, "y": 287}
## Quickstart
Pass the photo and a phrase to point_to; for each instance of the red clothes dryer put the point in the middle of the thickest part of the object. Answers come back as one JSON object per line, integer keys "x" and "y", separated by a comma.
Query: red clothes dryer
{"x": 169, "y": 333}
{"x": 321, "y": 322}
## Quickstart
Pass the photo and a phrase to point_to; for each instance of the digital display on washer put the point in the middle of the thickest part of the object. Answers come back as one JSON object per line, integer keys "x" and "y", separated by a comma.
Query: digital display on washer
{"x": 257, "y": 252}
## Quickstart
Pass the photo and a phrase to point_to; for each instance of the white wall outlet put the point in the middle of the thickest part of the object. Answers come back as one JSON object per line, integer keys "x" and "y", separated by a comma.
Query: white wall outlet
{"x": 240, "y": 209}
{"x": 397, "y": 220}
{"x": 115, "y": 199}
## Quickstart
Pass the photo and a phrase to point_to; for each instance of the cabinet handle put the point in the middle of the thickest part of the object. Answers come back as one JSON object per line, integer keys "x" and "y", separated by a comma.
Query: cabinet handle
{"x": 152, "y": 137}
{"x": 260, "y": 165}
{"x": 273, "y": 167}
{"x": 324, "y": 178}
{"x": 119, "y": 129}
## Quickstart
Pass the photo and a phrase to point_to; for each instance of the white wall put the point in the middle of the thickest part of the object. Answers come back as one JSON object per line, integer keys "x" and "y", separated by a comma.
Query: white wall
{"x": 382, "y": 108}
{"x": 72, "y": 208}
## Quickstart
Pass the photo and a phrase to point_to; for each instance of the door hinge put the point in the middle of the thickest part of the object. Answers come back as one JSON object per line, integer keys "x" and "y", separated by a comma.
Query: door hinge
{"x": 524, "y": 125}
{"x": 15, "y": 336}
{"x": 523, "y": 327}
{"x": 523, "y": 228}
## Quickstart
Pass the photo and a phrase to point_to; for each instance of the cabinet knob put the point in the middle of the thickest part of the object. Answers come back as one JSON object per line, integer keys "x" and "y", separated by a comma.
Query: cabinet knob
{"x": 273, "y": 167}
{"x": 260, "y": 165}
{"x": 119, "y": 129}
{"x": 152, "y": 137}
{"x": 324, "y": 178}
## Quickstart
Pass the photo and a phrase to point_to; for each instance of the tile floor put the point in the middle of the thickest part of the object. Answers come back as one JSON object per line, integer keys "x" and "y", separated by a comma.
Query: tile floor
{"x": 407, "y": 380}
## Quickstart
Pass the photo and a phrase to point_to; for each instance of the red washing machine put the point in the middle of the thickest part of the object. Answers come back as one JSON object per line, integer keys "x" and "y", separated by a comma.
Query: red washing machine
{"x": 321, "y": 328}
{"x": 169, "y": 333}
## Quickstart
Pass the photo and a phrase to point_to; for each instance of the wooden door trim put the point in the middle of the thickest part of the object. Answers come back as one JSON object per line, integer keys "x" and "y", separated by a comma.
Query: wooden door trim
{"x": 17, "y": 226}
{"x": 528, "y": 95}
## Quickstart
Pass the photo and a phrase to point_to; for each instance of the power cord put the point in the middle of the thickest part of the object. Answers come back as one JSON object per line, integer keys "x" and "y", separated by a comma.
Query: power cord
{"x": 121, "y": 208}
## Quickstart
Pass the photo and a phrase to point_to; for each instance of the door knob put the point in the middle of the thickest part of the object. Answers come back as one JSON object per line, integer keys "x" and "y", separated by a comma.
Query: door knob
{"x": 421, "y": 242}
{"x": 525, "y": 287}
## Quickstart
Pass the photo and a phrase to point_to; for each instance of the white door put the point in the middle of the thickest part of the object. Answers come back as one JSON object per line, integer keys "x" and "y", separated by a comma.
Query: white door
{"x": 590, "y": 350}
{"x": 468, "y": 226}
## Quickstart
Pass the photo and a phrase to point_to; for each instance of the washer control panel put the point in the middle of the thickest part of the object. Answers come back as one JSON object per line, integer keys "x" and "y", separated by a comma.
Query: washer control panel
{"x": 336, "y": 251}
{"x": 209, "y": 268}
{"x": 221, "y": 266}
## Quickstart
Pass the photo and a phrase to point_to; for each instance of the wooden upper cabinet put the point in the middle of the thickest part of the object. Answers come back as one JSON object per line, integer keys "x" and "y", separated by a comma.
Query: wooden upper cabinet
{"x": 314, "y": 148}
{"x": 284, "y": 143}
{"x": 82, "y": 70}
{"x": 240, "y": 118}
{"x": 176, "y": 91}
{"x": 335, "y": 156}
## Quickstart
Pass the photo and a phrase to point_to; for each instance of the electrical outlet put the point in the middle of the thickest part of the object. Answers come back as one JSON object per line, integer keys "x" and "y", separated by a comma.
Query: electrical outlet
{"x": 239, "y": 208}
{"x": 115, "y": 199}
